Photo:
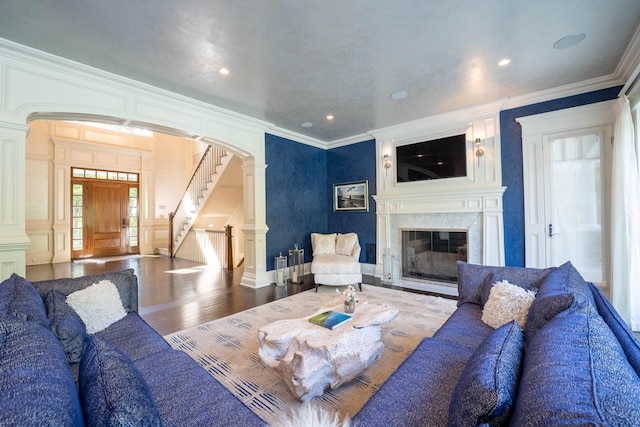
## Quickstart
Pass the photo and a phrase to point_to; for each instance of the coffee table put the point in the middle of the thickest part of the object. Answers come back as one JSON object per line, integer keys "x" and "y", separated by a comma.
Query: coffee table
{"x": 312, "y": 358}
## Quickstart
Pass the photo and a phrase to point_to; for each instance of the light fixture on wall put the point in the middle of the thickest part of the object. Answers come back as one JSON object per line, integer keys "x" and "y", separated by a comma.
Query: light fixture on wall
{"x": 479, "y": 147}
{"x": 386, "y": 163}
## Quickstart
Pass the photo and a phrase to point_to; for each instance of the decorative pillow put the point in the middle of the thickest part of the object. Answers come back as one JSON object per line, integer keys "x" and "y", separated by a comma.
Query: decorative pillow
{"x": 112, "y": 390}
{"x": 98, "y": 305}
{"x": 323, "y": 243}
{"x": 36, "y": 386}
{"x": 125, "y": 280}
{"x": 20, "y": 299}
{"x": 345, "y": 243}
{"x": 486, "y": 389}
{"x": 507, "y": 302}
{"x": 556, "y": 293}
{"x": 472, "y": 277}
{"x": 576, "y": 373}
{"x": 66, "y": 325}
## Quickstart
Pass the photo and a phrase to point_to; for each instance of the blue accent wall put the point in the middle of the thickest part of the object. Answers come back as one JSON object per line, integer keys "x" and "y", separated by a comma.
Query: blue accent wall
{"x": 512, "y": 173}
{"x": 355, "y": 162}
{"x": 296, "y": 195}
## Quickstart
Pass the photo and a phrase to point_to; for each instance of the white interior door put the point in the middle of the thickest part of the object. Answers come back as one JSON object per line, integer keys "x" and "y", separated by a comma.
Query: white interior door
{"x": 566, "y": 169}
{"x": 576, "y": 193}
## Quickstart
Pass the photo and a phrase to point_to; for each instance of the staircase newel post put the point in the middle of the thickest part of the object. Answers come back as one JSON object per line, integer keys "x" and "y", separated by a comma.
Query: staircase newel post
{"x": 228, "y": 235}
{"x": 171, "y": 215}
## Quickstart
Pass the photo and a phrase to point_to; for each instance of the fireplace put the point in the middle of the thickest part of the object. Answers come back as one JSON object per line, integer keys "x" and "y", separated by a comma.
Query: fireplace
{"x": 432, "y": 254}
{"x": 446, "y": 219}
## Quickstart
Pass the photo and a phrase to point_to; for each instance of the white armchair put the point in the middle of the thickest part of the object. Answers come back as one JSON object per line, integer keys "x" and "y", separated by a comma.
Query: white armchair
{"x": 336, "y": 259}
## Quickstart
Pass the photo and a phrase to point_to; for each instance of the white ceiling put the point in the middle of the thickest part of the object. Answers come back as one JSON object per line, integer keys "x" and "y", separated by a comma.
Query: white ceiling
{"x": 295, "y": 61}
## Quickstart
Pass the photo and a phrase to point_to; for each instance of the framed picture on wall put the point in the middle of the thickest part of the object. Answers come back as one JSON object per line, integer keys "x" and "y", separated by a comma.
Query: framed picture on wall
{"x": 351, "y": 196}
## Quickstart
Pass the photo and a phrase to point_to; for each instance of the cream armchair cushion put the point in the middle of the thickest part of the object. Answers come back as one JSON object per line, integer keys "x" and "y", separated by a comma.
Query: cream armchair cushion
{"x": 345, "y": 243}
{"x": 336, "y": 259}
{"x": 323, "y": 243}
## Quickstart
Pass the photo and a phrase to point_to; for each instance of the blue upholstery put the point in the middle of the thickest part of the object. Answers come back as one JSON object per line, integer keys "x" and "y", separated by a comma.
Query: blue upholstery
{"x": 66, "y": 325}
{"x": 19, "y": 298}
{"x": 134, "y": 337}
{"x": 485, "y": 392}
{"x": 192, "y": 397}
{"x": 112, "y": 390}
{"x": 472, "y": 277}
{"x": 419, "y": 392}
{"x": 126, "y": 282}
{"x": 36, "y": 387}
{"x": 557, "y": 291}
{"x": 575, "y": 373}
{"x": 464, "y": 327}
{"x": 629, "y": 342}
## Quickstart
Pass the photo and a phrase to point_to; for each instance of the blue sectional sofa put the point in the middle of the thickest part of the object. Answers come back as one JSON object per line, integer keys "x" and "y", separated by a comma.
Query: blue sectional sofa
{"x": 126, "y": 374}
{"x": 575, "y": 363}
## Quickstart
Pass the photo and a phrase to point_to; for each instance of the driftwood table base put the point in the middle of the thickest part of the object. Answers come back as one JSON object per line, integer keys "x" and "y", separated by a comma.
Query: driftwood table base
{"x": 312, "y": 358}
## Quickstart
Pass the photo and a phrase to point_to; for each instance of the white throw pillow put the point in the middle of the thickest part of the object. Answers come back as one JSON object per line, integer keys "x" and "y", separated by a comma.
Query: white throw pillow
{"x": 98, "y": 305}
{"x": 507, "y": 302}
{"x": 323, "y": 243}
{"x": 345, "y": 243}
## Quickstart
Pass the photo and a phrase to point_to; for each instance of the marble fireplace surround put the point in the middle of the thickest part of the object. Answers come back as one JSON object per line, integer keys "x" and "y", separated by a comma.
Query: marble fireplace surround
{"x": 478, "y": 212}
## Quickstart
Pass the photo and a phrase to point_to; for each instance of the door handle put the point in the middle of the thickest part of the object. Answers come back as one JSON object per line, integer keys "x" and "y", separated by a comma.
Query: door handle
{"x": 124, "y": 222}
{"x": 551, "y": 233}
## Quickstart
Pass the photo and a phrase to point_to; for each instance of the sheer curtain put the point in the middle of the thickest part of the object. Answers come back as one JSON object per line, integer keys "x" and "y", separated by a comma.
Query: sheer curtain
{"x": 625, "y": 218}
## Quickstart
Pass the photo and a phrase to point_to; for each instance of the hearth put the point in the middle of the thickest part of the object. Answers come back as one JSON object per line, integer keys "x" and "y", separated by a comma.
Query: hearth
{"x": 432, "y": 254}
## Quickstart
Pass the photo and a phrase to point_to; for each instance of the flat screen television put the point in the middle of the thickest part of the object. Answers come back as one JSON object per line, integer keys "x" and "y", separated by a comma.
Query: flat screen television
{"x": 433, "y": 159}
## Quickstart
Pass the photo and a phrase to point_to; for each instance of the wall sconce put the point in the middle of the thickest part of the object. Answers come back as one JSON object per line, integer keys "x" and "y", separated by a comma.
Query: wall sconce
{"x": 479, "y": 148}
{"x": 386, "y": 163}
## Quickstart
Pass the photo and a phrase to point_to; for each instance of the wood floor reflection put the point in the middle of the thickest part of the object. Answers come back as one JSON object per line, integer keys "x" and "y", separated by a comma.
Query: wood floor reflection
{"x": 175, "y": 294}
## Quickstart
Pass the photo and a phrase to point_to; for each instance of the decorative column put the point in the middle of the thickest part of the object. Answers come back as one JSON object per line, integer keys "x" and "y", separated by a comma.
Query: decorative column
{"x": 255, "y": 225}
{"x": 13, "y": 238}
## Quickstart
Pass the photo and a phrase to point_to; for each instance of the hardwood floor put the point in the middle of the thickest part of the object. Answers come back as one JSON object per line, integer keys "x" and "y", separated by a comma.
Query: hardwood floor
{"x": 175, "y": 294}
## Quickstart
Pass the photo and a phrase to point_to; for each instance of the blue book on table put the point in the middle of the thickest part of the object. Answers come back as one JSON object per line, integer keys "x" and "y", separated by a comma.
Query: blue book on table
{"x": 330, "y": 319}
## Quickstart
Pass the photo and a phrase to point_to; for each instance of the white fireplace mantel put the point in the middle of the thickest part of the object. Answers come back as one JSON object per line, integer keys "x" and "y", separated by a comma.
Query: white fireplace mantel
{"x": 469, "y": 200}
{"x": 472, "y": 203}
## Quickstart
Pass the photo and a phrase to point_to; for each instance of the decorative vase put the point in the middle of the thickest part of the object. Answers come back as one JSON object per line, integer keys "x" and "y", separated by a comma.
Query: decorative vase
{"x": 349, "y": 307}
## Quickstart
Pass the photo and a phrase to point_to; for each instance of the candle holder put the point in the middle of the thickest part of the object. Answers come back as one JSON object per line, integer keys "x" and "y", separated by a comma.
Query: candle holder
{"x": 280, "y": 264}
{"x": 296, "y": 264}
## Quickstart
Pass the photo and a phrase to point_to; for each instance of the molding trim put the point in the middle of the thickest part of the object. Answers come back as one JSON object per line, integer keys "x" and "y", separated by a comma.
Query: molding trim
{"x": 563, "y": 91}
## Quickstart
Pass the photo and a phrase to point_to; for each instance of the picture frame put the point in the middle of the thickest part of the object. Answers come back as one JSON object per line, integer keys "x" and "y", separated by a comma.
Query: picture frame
{"x": 351, "y": 196}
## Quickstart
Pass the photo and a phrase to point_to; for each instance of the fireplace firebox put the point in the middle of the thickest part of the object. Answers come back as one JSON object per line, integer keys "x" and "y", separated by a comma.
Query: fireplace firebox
{"x": 432, "y": 254}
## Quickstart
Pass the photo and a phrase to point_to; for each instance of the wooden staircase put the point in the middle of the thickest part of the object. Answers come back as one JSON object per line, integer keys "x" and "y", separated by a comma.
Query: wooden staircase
{"x": 204, "y": 179}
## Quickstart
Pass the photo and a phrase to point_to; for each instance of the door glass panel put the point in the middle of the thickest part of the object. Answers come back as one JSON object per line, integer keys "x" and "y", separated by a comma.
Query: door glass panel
{"x": 76, "y": 231}
{"x": 133, "y": 216}
{"x": 576, "y": 205}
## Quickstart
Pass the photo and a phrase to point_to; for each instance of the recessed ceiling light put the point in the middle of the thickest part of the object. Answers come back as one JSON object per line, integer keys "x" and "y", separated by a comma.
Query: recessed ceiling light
{"x": 224, "y": 71}
{"x": 306, "y": 124}
{"x": 330, "y": 117}
{"x": 568, "y": 41}
{"x": 504, "y": 62}
{"x": 401, "y": 94}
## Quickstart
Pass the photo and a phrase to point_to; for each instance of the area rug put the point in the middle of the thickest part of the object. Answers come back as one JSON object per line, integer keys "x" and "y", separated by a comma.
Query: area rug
{"x": 228, "y": 348}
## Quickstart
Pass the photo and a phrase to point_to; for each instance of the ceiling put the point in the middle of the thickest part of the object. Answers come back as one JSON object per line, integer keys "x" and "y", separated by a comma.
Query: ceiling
{"x": 296, "y": 61}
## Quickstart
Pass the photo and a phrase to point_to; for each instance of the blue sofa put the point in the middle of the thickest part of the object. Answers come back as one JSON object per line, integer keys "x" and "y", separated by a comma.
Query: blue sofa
{"x": 575, "y": 363}
{"x": 126, "y": 374}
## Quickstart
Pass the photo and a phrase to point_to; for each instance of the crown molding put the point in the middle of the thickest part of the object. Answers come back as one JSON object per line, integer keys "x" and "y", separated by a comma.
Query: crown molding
{"x": 578, "y": 88}
{"x": 297, "y": 137}
{"x": 630, "y": 62}
{"x": 30, "y": 56}
{"x": 355, "y": 139}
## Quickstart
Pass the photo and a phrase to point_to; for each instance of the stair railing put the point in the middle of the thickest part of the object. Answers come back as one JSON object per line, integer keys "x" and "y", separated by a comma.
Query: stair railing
{"x": 183, "y": 217}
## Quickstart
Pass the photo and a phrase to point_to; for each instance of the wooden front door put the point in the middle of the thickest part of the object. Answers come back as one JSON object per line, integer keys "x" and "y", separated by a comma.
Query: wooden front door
{"x": 105, "y": 218}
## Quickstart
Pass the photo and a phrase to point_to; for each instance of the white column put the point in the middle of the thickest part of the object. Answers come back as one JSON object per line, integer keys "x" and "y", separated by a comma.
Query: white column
{"x": 255, "y": 226}
{"x": 13, "y": 238}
